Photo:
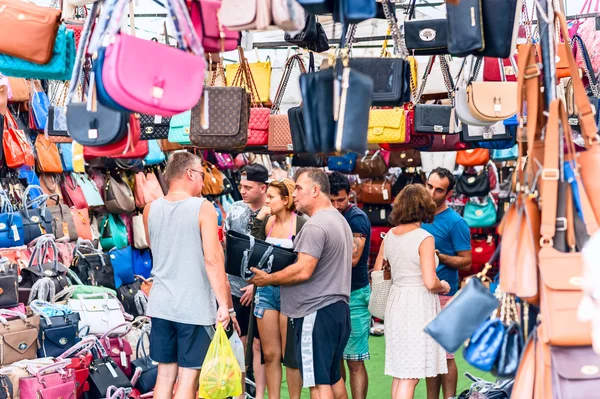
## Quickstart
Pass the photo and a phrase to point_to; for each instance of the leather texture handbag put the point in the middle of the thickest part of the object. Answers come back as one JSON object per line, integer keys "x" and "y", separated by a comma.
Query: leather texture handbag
{"x": 16, "y": 148}
{"x": 377, "y": 192}
{"x": 66, "y": 156}
{"x": 244, "y": 251}
{"x": 44, "y": 265}
{"x": 105, "y": 373}
{"x": 215, "y": 38}
{"x": 492, "y": 101}
{"x": 11, "y": 225}
{"x": 371, "y": 166}
{"x": 113, "y": 233}
{"x": 122, "y": 263}
{"x": 80, "y": 357}
{"x": 129, "y": 146}
{"x": 574, "y": 371}
{"x": 36, "y": 31}
{"x": 99, "y": 128}
{"x": 510, "y": 352}
{"x": 213, "y": 180}
{"x": 343, "y": 164}
{"x": 19, "y": 88}
{"x": 147, "y": 189}
{"x": 391, "y": 79}
{"x": 473, "y": 184}
{"x": 311, "y": 37}
{"x": 89, "y": 189}
{"x": 36, "y": 217}
{"x": 93, "y": 267}
{"x": 149, "y": 368}
{"x": 133, "y": 299}
{"x": 142, "y": 263}
{"x": 480, "y": 214}
{"x": 81, "y": 222}
{"x": 280, "y": 135}
{"x": 387, "y": 126}
{"x": 155, "y": 155}
{"x": 465, "y": 28}
{"x": 484, "y": 345}
{"x": 19, "y": 334}
{"x": 242, "y": 15}
{"x": 409, "y": 158}
{"x": 425, "y": 37}
{"x": 73, "y": 195}
{"x": 51, "y": 381}
{"x": 501, "y": 25}
{"x": 317, "y": 109}
{"x": 118, "y": 348}
{"x": 59, "y": 328}
{"x": 50, "y": 187}
{"x": 139, "y": 233}
{"x": 378, "y": 214}
{"x": 9, "y": 296}
{"x": 473, "y": 157}
{"x": 118, "y": 196}
{"x": 100, "y": 315}
{"x": 495, "y": 132}
{"x": 228, "y": 116}
{"x": 459, "y": 319}
{"x": 48, "y": 157}
{"x": 296, "y": 120}
{"x": 154, "y": 127}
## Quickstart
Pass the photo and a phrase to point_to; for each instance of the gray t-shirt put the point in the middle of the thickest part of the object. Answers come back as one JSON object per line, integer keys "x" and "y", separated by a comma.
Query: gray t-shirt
{"x": 327, "y": 237}
{"x": 239, "y": 219}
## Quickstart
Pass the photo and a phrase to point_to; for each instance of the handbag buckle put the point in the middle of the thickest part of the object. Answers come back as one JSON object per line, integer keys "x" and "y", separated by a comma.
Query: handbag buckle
{"x": 535, "y": 73}
{"x": 561, "y": 224}
{"x": 550, "y": 174}
{"x": 438, "y": 129}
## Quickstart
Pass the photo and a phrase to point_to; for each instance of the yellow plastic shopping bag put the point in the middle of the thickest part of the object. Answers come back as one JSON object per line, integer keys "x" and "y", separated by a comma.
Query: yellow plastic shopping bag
{"x": 221, "y": 376}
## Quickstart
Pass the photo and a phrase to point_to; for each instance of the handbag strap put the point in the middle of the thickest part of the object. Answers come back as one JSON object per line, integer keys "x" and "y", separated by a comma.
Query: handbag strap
{"x": 140, "y": 344}
{"x": 106, "y": 335}
{"x": 390, "y": 14}
{"x": 579, "y": 45}
{"x": 85, "y": 345}
{"x": 244, "y": 78}
{"x": 57, "y": 367}
{"x": 37, "y": 305}
{"x": 445, "y": 73}
{"x": 112, "y": 392}
{"x": 287, "y": 71}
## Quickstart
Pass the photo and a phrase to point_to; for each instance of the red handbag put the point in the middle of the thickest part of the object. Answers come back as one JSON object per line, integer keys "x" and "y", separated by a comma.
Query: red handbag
{"x": 491, "y": 69}
{"x": 118, "y": 348}
{"x": 58, "y": 383}
{"x": 376, "y": 240}
{"x": 17, "y": 150}
{"x": 258, "y": 126}
{"x": 128, "y": 147}
{"x": 72, "y": 193}
{"x": 481, "y": 252}
{"x": 80, "y": 359}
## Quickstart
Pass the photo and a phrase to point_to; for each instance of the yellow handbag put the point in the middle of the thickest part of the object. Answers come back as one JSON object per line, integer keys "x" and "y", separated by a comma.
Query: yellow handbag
{"x": 261, "y": 73}
{"x": 78, "y": 162}
{"x": 387, "y": 126}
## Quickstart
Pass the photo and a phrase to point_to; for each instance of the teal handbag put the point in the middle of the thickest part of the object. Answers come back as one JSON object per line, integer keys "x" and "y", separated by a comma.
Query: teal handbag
{"x": 509, "y": 154}
{"x": 480, "y": 215}
{"x": 113, "y": 233}
{"x": 60, "y": 66}
{"x": 155, "y": 155}
{"x": 89, "y": 189}
{"x": 179, "y": 129}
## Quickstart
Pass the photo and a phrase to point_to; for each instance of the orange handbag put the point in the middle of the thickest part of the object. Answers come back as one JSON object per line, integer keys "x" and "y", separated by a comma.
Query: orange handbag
{"x": 81, "y": 218}
{"x": 19, "y": 89}
{"x": 146, "y": 189}
{"x": 51, "y": 188}
{"x": 473, "y": 157}
{"x": 17, "y": 150}
{"x": 48, "y": 157}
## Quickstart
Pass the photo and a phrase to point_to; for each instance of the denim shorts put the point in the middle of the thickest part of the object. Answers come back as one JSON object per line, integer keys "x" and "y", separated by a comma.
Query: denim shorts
{"x": 267, "y": 298}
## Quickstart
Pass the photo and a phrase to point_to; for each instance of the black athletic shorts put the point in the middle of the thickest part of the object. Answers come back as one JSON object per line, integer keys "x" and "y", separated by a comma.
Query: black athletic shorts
{"x": 184, "y": 344}
{"x": 243, "y": 315}
{"x": 320, "y": 341}
{"x": 289, "y": 355}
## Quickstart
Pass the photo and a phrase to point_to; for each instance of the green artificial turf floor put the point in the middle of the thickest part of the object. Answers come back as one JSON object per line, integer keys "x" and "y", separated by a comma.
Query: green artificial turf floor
{"x": 380, "y": 385}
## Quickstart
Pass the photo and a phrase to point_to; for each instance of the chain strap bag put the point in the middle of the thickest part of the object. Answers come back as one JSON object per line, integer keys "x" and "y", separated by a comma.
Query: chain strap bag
{"x": 492, "y": 101}
{"x": 434, "y": 119}
{"x": 425, "y": 36}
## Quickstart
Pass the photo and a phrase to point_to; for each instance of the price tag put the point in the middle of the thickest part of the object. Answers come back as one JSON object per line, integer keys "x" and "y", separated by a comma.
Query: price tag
{"x": 386, "y": 195}
{"x": 93, "y": 133}
{"x": 16, "y": 235}
{"x": 382, "y": 214}
{"x": 157, "y": 119}
{"x": 123, "y": 359}
{"x": 111, "y": 369}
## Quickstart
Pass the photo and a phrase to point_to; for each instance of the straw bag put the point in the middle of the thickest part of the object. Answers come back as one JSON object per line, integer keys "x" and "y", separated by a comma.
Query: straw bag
{"x": 381, "y": 284}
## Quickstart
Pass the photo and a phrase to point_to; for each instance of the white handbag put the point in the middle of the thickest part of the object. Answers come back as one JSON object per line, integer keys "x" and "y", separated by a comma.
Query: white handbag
{"x": 139, "y": 232}
{"x": 100, "y": 315}
{"x": 293, "y": 96}
{"x": 432, "y": 160}
{"x": 246, "y": 14}
{"x": 435, "y": 80}
{"x": 380, "y": 290}
{"x": 288, "y": 15}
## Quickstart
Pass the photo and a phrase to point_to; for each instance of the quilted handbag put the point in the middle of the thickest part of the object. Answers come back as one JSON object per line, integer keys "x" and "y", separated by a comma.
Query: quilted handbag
{"x": 391, "y": 79}
{"x": 258, "y": 127}
{"x": 118, "y": 196}
{"x": 89, "y": 189}
{"x": 81, "y": 220}
{"x": 432, "y": 118}
{"x": 227, "y": 125}
{"x": 246, "y": 15}
{"x": 215, "y": 37}
{"x": 387, "y": 126}
{"x": 113, "y": 233}
{"x": 280, "y": 134}
{"x": 122, "y": 262}
{"x": 473, "y": 157}
{"x": 154, "y": 127}
{"x": 59, "y": 328}
{"x": 260, "y": 73}
{"x": 344, "y": 164}
{"x": 480, "y": 214}
{"x": 59, "y": 67}
{"x": 179, "y": 128}
{"x": 484, "y": 345}
{"x": 155, "y": 154}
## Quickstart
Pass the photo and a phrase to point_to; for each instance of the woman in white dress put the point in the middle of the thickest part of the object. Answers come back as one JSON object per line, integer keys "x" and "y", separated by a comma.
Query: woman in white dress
{"x": 413, "y": 302}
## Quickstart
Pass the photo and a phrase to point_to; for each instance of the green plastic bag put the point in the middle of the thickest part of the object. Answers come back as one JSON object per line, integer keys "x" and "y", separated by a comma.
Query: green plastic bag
{"x": 221, "y": 376}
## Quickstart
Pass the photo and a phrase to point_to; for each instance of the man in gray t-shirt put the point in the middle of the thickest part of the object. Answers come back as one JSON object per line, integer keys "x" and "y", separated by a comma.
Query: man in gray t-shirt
{"x": 315, "y": 290}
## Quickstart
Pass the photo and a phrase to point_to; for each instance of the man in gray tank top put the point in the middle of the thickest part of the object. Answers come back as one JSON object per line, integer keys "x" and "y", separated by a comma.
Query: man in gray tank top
{"x": 189, "y": 278}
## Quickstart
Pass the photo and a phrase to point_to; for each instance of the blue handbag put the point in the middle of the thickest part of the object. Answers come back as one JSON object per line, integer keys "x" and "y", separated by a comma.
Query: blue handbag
{"x": 484, "y": 345}
{"x": 355, "y": 11}
{"x": 28, "y": 174}
{"x": 60, "y": 66}
{"x": 317, "y": 7}
{"x": 89, "y": 189}
{"x": 66, "y": 156}
{"x": 101, "y": 92}
{"x": 155, "y": 155}
{"x": 343, "y": 164}
{"x": 499, "y": 144}
{"x": 179, "y": 128}
{"x": 122, "y": 263}
{"x": 11, "y": 226}
{"x": 142, "y": 262}
{"x": 39, "y": 105}
{"x": 480, "y": 215}
{"x": 59, "y": 328}
{"x": 509, "y": 154}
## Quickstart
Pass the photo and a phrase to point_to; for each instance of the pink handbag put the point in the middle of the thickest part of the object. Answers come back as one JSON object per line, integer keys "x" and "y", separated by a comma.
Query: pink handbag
{"x": 258, "y": 126}
{"x": 146, "y": 189}
{"x": 224, "y": 161}
{"x": 152, "y": 78}
{"x": 205, "y": 18}
{"x": 49, "y": 382}
{"x": 118, "y": 348}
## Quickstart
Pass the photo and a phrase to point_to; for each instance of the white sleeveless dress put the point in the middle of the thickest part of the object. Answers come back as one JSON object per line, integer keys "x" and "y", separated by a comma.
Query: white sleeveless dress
{"x": 410, "y": 352}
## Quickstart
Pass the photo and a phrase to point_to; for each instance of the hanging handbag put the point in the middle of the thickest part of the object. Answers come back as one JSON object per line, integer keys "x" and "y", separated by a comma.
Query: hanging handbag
{"x": 89, "y": 189}
{"x": 387, "y": 126}
{"x": 66, "y": 156}
{"x": 343, "y": 164}
{"x": 118, "y": 348}
{"x": 465, "y": 28}
{"x": 59, "y": 328}
{"x": 425, "y": 36}
{"x": 510, "y": 352}
{"x": 405, "y": 159}
{"x": 241, "y": 15}
{"x": 480, "y": 214}
{"x": 56, "y": 127}
{"x": 484, "y": 345}
{"x": 280, "y": 135}
{"x": 473, "y": 184}
{"x": 122, "y": 263}
{"x": 287, "y": 15}
{"x": 51, "y": 188}
{"x": 149, "y": 367}
{"x": 129, "y": 147}
{"x": 113, "y": 233}
{"x": 474, "y": 157}
{"x": 155, "y": 155}
{"x": 213, "y": 180}
{"x": 139, "y": 232}
{"x": 377, "y": 192}
{"x": 81, "y": 222}
{"x": 16, "y": 147}
{"x": 73, "y": 194}
{"x": 9, "y": 294}
{"x": 19, "y": 88}
{"x": 19, "y": 334}
{"x": 496, "y": 132}
{"x": 406, "y": 178}
{"x": 574, "y": 371}
{"x": 317, "y": 110}
{"x": 179, "y": 128}
{"x": 312, "y": 37}
{"x": 509, "y": 154}
{"x": 371, "y": 166}
{"x": 147, "y": 189}
{"x": 118, "y": 196}
{"x": 213, "y": 35}
{"x": 391, "y": 79}
{"x": 378, "y": 214}
{"x": 260, "y": 72}
{"x": 48, "y": 157}
{"x": 154, "y": 127}
{"x": 500, "y": 27}
{"x": 482, "y": 249}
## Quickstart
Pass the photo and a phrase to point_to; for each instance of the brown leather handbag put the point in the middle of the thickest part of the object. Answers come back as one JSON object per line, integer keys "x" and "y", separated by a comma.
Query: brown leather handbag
{"x": 118, "y": 196}
{"x": 147, "y": 188}
{"x": 473, "y": 157}
{"x": 32, "y": 30}
{"x": 51, "y": 188}
{"x": 81, "y": 220}
{"x": 167, "y": 146}
{"x": 213, "y": 180}
{"x": 377, "y": 192}
{"x": 280, "y": 135}
{"x": 19, "y": 335}
{"x": 48, "y": 157}
{"x": 534, "y": 376}
{"x": 20, "y": 90}
{"x": 409, "y": 158}
{"x": 371, "y": 166}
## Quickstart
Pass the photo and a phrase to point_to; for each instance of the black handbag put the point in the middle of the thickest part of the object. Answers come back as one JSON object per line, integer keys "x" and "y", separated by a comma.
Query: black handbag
{"x": 473, "y": 184}
{"x": 425, "y": 36}
{"x": 94, "y": 129}
{"x": 149, "y": 367}
{"x": 308, "y": 160}
{"x": 499, "y": 27}
{"x": 36, "y": 221}
{"x": 432, "y": 119}
{"x": 6, "y": 387}
{"x": 378, "y": 214}
{"x": 297, "y": 129}
{"x": 312, "y": 37}
{"x": 483, "y": 134}
{"x": 133, "y": 299}
{"x": 95, "y": 269}
{"x": 44, "y": 263}
{"x": 57, "y": 333}
{"x": 9, "y": 289}
{"x": 154, "y": 127}
{"x": 52, "y": 114}
{"x": 317, "y": 111}
{"x": 404, "y": 180}
{"x": 244, "y": 252}
{"x": 104, "y": 373}
{"x": 391, "y": 79}
{"x": 465, "y": 28}
{"x": 510, "y": 352}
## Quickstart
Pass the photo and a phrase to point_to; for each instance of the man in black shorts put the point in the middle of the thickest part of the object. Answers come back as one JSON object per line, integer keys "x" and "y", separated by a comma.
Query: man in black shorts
{"x": 315, "y": 291}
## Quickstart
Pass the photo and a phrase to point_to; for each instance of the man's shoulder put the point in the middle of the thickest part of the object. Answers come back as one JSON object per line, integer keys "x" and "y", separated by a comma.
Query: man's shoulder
{"x": 355, "y": 215}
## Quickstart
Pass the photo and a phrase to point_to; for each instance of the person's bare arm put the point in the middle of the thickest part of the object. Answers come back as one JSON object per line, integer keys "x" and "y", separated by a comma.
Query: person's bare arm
{"x": 379, "y": 261}
{"x": 358, "y": 246}
{"x": 296, "y": 273}
{"x": 214, "y": 260}
{"x": 462, "y": 260}
{"x": 427, "y": 255}
{"x": 145, "y": 218}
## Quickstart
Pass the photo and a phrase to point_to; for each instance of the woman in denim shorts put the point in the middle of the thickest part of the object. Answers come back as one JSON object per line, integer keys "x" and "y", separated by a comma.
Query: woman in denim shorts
{"x": 278, "y": 224}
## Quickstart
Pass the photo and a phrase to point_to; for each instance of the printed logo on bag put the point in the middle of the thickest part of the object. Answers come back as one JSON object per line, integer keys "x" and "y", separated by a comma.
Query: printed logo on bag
{"x": 290, "y": 147}
{"x": 573, "y": 121}
{"x": 478, "y": 249}
{"x": 2, "y": 226}
{"x": 427, "y": 35}
{"x": 403, "y": 155}
{"x": 63, "y": 341}
{"x": 438, "y": 129}
{"x": 149, "y": 130}
{"x": 116, "y": 351}
{"x": 35, "y": 219}
{"x": 22, "y": 346}
{"x": 112, "y": 256}
{"x": 590, "y": 370}
{"x": 471, "y": 180}
{"x": 576, "y": 281}
{"x": 479, "y": 212}
{"x": 49, "y": 273}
